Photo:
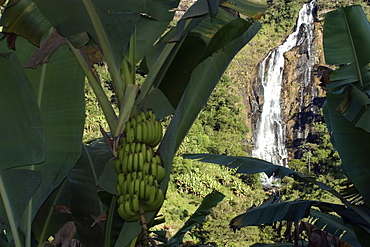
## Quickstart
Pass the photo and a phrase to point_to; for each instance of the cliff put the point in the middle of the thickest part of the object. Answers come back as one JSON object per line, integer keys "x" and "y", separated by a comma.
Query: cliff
{"x": 301, "y": 96}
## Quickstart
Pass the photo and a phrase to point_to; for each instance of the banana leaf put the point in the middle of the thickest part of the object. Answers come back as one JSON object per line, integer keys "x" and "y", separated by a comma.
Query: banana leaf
{"x": 23, "y": 17}
{"x": 22, "y": 135}
{"x": 345, "y": 39}
{"x": 85, "y": 203}
{"x": 17, "y": 186}
{"x": 48, "y": 220}
{"x": 248, "y": 165}
{"x": 58, "y": 90}
{"x": 352, "y": 144}
{"x": 282, "y": 211}
{"x": 333, "y": 224}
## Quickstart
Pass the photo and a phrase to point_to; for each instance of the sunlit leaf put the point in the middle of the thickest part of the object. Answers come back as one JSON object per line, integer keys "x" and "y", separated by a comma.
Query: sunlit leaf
{"x": 353, "y": 146}
{"x": 346, "y": 36}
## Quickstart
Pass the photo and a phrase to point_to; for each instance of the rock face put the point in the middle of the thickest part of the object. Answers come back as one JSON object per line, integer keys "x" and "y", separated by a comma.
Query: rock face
{"x": 300, "y": 98}
{"x": 302, "y": 95}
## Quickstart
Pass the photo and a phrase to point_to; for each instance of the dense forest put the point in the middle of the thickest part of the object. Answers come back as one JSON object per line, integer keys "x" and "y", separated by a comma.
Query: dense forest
{"x": 77, "y": 201}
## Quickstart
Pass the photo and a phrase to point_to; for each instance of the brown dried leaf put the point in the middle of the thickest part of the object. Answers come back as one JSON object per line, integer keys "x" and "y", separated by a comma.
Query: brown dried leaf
{"x": 92, "y": 54}
{"x": 62, "y": 209}
{"x": 320, "y": 238}
{"x": 63, "y": 237}
{"x": 46, "y": 49}
{"x": 75, "y": 243}
{"x": 101, "y": 217}
{"x": 10, "y": 40}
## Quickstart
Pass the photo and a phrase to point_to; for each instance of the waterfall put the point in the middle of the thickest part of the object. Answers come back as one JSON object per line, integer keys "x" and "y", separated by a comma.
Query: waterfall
{"x": 270, "y": 134}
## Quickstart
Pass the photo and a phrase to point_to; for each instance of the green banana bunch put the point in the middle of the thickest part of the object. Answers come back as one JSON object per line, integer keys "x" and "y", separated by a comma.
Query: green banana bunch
{"x": 139, "y": 167}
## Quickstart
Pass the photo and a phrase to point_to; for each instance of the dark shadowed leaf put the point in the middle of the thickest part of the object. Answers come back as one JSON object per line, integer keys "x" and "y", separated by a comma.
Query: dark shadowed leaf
{"x": 59, "y": 88}
{"x": 301, "y": 244}
{"x": 334, "y": 225}
{"x": 17, "y": 188}
{"x": 85, "y": 202}
{"x": 22, "y": 134}
{"x": 47, "y": 222}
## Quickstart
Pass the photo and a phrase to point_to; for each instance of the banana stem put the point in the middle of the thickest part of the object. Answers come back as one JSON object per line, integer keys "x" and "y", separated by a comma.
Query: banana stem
{"x": 108, "y": 223}
{"x": 144, "y": 225}
{"x": 9, "y": 213}
{"x": 104, "y": 103}
{"x": 106, "y": 48}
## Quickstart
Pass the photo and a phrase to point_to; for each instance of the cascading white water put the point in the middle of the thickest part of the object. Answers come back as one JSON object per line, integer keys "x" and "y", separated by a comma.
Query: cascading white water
{"x": 269, "y": 141}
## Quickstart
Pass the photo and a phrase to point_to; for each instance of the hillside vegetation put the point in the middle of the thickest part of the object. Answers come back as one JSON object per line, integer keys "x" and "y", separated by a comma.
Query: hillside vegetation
{"x": 221, "y": 129}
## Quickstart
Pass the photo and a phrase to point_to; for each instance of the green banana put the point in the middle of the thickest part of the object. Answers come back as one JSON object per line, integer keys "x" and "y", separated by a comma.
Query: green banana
{"x": 135, "y": 165}
{"x": 159, "y": 198}
{"x": 161, "y": 173}
{"x": 130, "y": 161}
{"x": 140, "y": 161}
{"x": 152, "y": 192}
{"x": 124, "y": 164}
{"x": 145, "y": 131}
{"x": 117, "y": 165}
{"x": 153, "y": 169}
{"x": 143, "y": 150}
{"x": 149, "y": 154}
{"x": 142, "y": 190}
{"x": 139, "y": 167}
{"x": 139, "y": 132}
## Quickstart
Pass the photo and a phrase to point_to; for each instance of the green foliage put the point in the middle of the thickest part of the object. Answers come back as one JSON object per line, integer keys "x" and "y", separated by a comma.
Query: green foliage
{"x": 280, "y": 14}
{"x": 220, "y": 127}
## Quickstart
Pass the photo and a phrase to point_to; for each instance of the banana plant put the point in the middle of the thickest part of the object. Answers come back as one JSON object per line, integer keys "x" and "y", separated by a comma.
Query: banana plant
{"x": 346, "y": 35}
{"x": 47, "y": 48}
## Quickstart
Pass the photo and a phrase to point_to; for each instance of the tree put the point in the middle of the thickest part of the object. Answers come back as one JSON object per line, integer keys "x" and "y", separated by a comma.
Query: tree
{"x": 346, "y": 35}
{"x": 42, "y": 143}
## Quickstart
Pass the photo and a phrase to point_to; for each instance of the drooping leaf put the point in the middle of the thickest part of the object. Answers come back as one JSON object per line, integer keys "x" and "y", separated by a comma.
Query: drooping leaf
{"x": 17, "y": 188}
{"x": 248, "y": 8}
{"x": 22, "y": 135}
{"x": 283, "y": 211}
{"x": 47, "y": 47}
{"x": 23, "y": 18}
{"x": 267, "y": 214}
{"x": 248, "y": 165}
{"x": 210, "y": 201}
{"x": 318, "y": 237}
{"x": 333, "y": 224}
